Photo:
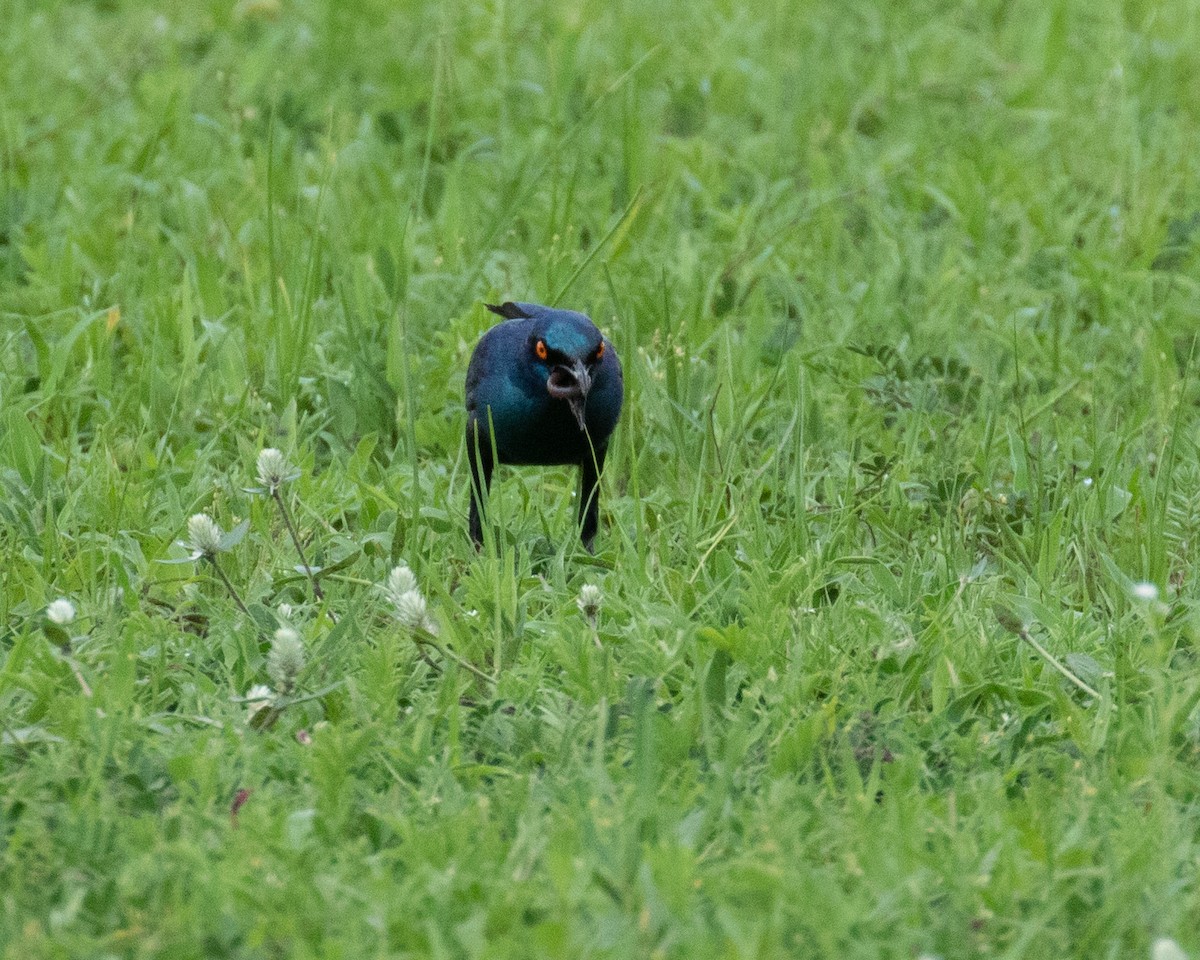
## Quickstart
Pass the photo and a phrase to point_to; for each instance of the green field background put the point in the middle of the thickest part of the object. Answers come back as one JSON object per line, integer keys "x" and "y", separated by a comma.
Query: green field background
{"x": 897, "y": 650}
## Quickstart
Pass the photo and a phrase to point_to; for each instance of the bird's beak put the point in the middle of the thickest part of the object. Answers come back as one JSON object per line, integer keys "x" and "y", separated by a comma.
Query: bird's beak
{"x": 571, "y": 384}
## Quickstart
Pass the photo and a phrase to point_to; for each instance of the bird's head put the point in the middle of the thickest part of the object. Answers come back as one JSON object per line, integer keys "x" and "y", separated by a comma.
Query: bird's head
{"x": 565, "y": 348}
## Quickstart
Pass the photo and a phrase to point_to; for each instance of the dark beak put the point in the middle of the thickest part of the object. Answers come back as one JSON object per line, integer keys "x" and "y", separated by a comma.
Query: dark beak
{"x": 571, "y": 384}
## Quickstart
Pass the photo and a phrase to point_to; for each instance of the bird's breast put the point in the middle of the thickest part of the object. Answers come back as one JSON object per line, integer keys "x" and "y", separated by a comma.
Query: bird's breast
{"x": 540, "y": 432}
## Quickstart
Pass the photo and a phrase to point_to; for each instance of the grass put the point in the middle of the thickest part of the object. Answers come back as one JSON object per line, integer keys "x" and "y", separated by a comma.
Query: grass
{"x": 906, "y": 298}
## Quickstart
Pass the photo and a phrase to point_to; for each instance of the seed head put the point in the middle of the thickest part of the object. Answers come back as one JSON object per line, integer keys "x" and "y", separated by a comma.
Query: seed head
{"x": 1164, "y": 948}
{"x": 273, "y": 469}
{"x": 411, "y": 610}
{"x": 60, "y": 611}
{"x": 204, "y": 536}
{"x": 258, "y": 697}
{"x": 407, "y": 602}
{"x": 1147, "y": 592}
{"x": 589, "y": 600}
{"x": 399, "y": 582}
{"x": 286, "y": 659}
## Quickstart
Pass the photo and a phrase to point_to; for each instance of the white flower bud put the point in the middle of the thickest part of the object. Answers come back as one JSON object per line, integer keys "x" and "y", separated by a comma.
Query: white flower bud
{"x": 273, "y": 469}
{"x": 1145, "y": 591}
{"x": 61, "y": 611}
{"x": 204, "y": 536}
{"x": 1164, "y": 948}
{"x": 399, "y": 582}
{"x": 286, "y": 659}
{"x": 259, "y": 697}
{"x": 589, "y": 600}
{"x": 411, "y": 610}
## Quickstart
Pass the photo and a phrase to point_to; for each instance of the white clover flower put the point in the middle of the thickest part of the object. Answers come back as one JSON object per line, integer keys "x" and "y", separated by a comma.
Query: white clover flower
{"x": 1147, "y": 592}
{"x": 258, "y": 697}
{"x": 204, "y": 536}
{"x": 60, "y": 611}
{"x": 589, "y": 600}
{"x": 399, "y": 582}
{"x": 273, "y": 469}
{"x": 286, "y": 659}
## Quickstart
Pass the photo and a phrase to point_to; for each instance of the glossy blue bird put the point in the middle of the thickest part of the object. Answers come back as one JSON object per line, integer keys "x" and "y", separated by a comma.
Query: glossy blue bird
{"x": 544, "y": 387}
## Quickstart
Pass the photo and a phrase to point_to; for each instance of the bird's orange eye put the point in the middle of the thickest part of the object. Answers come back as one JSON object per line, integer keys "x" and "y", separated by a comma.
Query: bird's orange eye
{"x": 541, "y": 350}
{"x": 600, "y": 350}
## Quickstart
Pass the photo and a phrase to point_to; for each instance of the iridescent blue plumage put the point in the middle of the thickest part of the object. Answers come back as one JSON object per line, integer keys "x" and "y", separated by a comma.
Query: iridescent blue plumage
{"x": 544, "y": 387}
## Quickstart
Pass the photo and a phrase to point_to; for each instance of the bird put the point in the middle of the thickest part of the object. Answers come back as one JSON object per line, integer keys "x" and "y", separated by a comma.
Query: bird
{"x": 545, "y": 388}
